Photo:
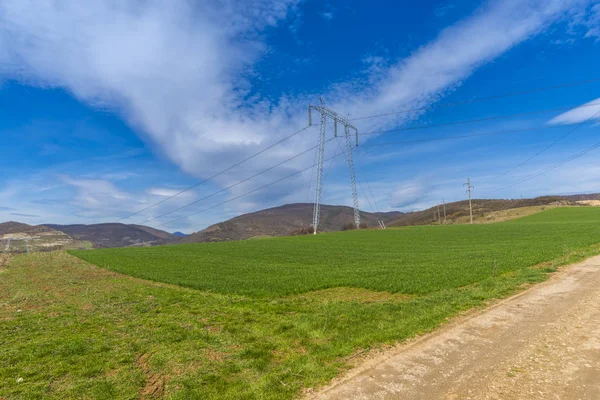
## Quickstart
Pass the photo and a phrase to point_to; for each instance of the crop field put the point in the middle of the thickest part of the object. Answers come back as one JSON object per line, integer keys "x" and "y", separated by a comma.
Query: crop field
{"x": 258, "y": 319}
{"x": 416, "y": 260}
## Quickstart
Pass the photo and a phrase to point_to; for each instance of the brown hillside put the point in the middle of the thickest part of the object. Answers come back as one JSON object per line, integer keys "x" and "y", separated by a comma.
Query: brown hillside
{"x": 115, "y": 235}
{"x": 11, "y": 227}
{"x": 458, "y": 212}
{"x": 282, "y": 221}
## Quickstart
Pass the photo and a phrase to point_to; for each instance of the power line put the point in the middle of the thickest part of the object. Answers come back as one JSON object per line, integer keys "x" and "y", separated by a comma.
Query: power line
{"x": 449, "y": 104}
{"x": 551, "y": 167}
{"x": 484, "y": 119}
{"x": 217, "y": 174}
{"x": 376, "y": 208}
{"x": 312, "y": 172}
{"x": 579, "y": 125}
{"x": 327, "y": 169}
{"x": 331, "y": 161}
{"x": 366, "y": 133}
{"x": 503, "y": 132}
{"x": 231, "y": 186}
{"x": 367, "y": 145}
{"x": 479, "y": 99}
{"x": 312, "y": 166}
{"x": 367, "y": 197}
{"x": 248, "y": 193}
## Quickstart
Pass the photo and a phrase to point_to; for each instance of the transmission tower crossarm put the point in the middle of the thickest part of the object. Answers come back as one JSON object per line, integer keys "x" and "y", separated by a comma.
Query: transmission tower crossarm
{"x": 333, "y": 115}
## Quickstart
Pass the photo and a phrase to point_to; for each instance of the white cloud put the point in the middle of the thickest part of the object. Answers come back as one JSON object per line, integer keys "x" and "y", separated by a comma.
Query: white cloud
{"x": 588, "y": 111}
{"x": 408, "y": 194}
{"x": 328, "y": 15}
{"x": 182, "y": 75}
{"x": 593, "y": 23}
{"x": 169, "y": 192}
{"x": 588, "y": 20}
{"x": 95, "y": 193}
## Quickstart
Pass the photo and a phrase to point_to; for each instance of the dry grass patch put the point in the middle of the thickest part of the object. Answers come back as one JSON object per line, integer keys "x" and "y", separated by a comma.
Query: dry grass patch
{"x": 513, "y": 213}
{"x": 352, "y": 295}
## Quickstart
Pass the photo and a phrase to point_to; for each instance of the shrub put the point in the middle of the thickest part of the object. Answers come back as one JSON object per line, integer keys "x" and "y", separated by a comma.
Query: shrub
{"x": 306, "y": 230}
{"x": 349, "y": 226}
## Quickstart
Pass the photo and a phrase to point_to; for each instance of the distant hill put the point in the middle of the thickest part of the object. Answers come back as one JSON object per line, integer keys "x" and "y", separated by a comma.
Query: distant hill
{"x": 115, "y": 234}
{"x": 458, "y": 212}
{"x": 277, "y": 221}
{"x": 18, "y": 237}
{"x": 12, "y": 227}
{"x": 282, "y": 221}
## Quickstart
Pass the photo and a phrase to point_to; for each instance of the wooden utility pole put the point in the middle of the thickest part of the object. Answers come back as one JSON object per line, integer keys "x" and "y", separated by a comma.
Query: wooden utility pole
{"x": 469, "y": 188}
{"x": 444, "y": 203}
{"x": 439, "y": 215}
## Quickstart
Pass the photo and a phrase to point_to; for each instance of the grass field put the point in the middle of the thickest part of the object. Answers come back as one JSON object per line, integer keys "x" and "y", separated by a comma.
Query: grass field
{"x": 258, "y": 319}
{"x": 415, "y": 260}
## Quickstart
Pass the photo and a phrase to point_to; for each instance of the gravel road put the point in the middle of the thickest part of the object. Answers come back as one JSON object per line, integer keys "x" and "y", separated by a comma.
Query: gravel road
{"x": 541, "y": 344}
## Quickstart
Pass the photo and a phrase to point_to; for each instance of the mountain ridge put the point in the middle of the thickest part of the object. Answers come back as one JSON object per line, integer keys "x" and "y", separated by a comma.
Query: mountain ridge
{"x": 115, "y": 234}
{"x": 282, "y": 221}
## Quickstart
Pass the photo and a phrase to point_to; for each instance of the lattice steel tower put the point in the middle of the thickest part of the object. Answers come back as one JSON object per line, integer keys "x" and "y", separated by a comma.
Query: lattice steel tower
{"x": 326, "y": 112}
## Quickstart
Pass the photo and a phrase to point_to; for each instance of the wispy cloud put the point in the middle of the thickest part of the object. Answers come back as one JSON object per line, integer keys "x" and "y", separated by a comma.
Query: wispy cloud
{"x": 25, "y": 215}
{"x": 590, "y": 110}
{"x": 406, "y": 196}
{"x": 328, "y": 15}
{"x": 167, "y": 192}
{"x": 588, "y": 20}
{"x": 95, "y": 196}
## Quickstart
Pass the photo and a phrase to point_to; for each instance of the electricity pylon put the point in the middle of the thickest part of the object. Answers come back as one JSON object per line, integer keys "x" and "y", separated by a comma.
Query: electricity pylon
{"x": 469, "y": 189}
{"x": 337, "y": 118}
{"x": 444, "y": 203}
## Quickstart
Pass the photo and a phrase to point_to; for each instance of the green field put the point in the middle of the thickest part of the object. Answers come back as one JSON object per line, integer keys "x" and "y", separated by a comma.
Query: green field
{"x": 415, "y": 260}
{"x": 258, "y": 319}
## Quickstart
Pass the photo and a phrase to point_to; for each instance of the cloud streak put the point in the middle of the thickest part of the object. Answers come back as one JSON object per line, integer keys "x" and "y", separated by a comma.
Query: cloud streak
{"x": 590, "y": 110}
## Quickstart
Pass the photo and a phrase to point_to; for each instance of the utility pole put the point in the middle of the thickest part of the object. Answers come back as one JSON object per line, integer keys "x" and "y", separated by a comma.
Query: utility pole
{"x": 27, "y": 244}
{"x": 469, "y": 189}
{"x": 444, "y": 203}
{"x": 337, "y": 118}
{"x": 439, "y": 215}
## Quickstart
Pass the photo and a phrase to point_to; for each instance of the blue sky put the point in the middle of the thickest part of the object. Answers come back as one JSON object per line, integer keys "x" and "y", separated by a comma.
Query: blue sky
{"x": 109, "y": 107}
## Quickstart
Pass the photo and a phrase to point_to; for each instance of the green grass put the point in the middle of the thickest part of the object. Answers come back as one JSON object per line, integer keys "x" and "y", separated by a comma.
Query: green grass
{"x": 256, "y": 329}
{"x": 416, "y": 260}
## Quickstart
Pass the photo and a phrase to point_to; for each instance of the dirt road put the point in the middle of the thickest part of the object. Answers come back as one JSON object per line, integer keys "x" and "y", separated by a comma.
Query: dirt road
{"x": 541, "y": 344}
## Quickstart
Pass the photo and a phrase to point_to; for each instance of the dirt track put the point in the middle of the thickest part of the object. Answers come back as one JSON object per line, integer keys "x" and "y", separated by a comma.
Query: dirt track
{"x": 541, "y": 344}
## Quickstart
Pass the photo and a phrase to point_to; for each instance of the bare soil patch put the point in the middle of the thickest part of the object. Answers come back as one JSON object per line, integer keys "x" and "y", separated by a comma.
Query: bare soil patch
{"x": 155, "y": 383}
